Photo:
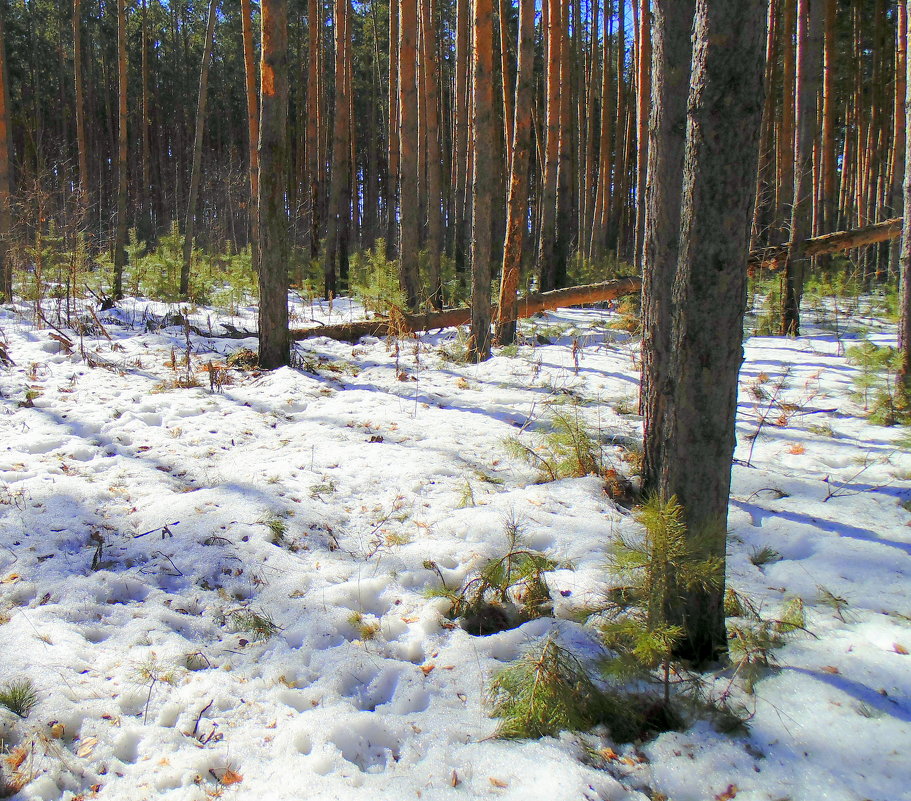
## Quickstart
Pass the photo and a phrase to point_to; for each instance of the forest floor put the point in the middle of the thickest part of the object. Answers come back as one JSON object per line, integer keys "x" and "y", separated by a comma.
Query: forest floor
{"x": 222, "y": 591}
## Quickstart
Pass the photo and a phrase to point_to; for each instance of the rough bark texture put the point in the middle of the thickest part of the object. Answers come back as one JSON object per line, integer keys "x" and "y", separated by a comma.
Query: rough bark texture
{"x": 409, "y": 208}
{"x": 81, "y": 147}
{"x": 252, "y": 123}
{"x": 904, "y": 329}
{"x": 339, "y": 210}
{"x": 517, "y": 212}
{"x": 774, "y": 258}
{"x": 196, "y": 170}
{"x": 548, "y": 209}
{"x": 6, "y": 268}
{"x": 725, "y": 109}
{"x": 434, "y": 151}
{"x": 274, "y": 347}
{"x": 643, "y": 94}
{"x": 120, "y": 232}
{"x": 482, "y": 186}
{"x": 526, "y": 307}
{"x": 671, "y": 57}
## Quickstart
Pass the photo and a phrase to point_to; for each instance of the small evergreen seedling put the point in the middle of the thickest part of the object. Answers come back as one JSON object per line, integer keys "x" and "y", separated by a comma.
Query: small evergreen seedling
{"x": 19, "y": 697}
{"x": 548, "y": 690}
{"x": 257, "y": 624}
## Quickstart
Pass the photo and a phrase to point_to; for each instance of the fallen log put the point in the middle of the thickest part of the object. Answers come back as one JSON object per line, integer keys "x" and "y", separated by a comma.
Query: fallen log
{"x": 774, "y": 258}
{"x": 529, "y": 305}
{"x": 770, "y": 258}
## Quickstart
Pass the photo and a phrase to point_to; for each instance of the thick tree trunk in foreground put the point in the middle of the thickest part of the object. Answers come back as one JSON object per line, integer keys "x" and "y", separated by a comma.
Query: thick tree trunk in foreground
{"x": 725, "y": 109}
{"x": 120, "y": 232}
{"x": 274, "y": 348}
{"x": 482, "y": 187}
{"x": 531, "y": 304}
{"x": 196, "y": 171}
{"x": 671, "y": 57}
{"x": 517, "y": 213}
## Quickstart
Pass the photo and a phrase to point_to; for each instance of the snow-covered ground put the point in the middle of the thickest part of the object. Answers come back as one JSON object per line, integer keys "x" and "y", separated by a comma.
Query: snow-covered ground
{"x": 141, "y": 522}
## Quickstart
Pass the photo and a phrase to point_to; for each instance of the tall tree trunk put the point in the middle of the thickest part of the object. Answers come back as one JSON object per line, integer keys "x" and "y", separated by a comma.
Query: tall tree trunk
{"x": 517, "y": 211}
{"x": 81, "y": 145}
{"x": 460, "y": 134}
{"x": 252, "y": 126}
{"x": 719, "y": 174}
{"x": 409, "y": 208}
{"x": 394, "y": 144}
{"x": 785, "y": 157}
{"x": 274, "y": 344}
{"x": 120, "y": 233}
{"x": 671, "y": 60}
{"x": 899, "y": 133}
{"x": 546, "y": 247}
{"x": 145, "y": 197}
{"x": 643, "y": 93}
{"x": 6, "y": 220}
{"x": 195, "y": 173}
{"x": 431, "y": 69}
{"x": 482, "y": 187}
{"x": 904, "y": 328}
{"x": 809, "y": 52}
{"x": 565, "y": 216}
{"x": 339, "y": 176}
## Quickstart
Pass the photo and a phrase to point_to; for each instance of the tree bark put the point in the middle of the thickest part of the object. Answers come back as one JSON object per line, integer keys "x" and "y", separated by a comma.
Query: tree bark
{"x": 720, "y": 166}
{"x": 196, "y": 170}
{"x": 809, "y": 52}
{"x": 120, "y": 233}
{"x": 81, "y": 146}
{"x": 904, "y": 328}
{"x": 6, "y": 267}
{"x": 252, "y": 126}
{"x": 643, "y": 94}
{"x": 671, "y": 59}
{"x": 431, "y": 70}
{"x": 517, "y": 211}
{"x": 274, "y": 347}
{"x": 482, "y": 187}
{"x": 548, "y": 211}
{"x": 409, "y": 209}
{"x": 526, "y": 307}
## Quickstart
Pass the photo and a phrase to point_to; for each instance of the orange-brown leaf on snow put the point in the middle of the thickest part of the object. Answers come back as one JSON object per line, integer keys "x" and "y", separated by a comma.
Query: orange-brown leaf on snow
{"x": 426, "y": 669}
{"x": 498, "y": 782}
{"x": 728, "y": 794}
{"x": 900, "y": 649}
{"x": 830, "y": 669}
{"x": 231, "y": 777}
{"x": 609, "y": 754}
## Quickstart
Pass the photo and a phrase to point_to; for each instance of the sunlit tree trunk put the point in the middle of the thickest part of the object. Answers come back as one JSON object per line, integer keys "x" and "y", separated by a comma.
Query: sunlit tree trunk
{"x": 252, "y": 125}
{"x": 482, "y": 187}
{"x": 6, "y": 221}
{"x": 120, "y": 232}
{"x": 274, "y": 347}
{"x": 434, "y": 168}
{"x": 409, "y": 208}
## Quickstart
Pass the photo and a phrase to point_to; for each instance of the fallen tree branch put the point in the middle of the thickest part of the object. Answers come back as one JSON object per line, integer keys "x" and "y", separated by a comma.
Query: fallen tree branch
{"x": 774, "y": 258}
{"x": 529, "y": 305}
{"x": 771, "y": 258}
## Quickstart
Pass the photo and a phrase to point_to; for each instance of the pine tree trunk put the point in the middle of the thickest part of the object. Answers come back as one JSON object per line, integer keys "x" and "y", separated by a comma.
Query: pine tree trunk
{"x": 482, "y": 187}
{"x": 643, "y": 94}
{"x": 904, "y": 328}
{"x": 409, "y": 208}
{"x": 120, "y": 233}
{"x": 145, "y": 196}
{"x": 252, "y": 126}
{"x": 6, "y": 220}
{"x": 431, "y": 69}
{"x": 339, "y": 176}
{"x": 274, "y": 347}
{"x": 809, "y": 52}
{"x": 671, "y": 59}
{"x": 195, "y": 172}
{"x": 81, "y": 145}
{"x": 517, "y": 212}
{"x": 720, "y": 165}
{"x": 899, "y": 134}
{"x": 546, "y": 263}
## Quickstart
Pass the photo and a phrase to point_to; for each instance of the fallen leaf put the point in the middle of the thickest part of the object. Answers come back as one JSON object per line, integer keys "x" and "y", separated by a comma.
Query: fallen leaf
{"x": 427, "y": 669}
{"x": 57, "y": 730}
{"x": 498, "y": 782}
{"x": 12, "y": 578}
{"x": 830, "y": 669}
{"x": 86, "y": 746}
{"x": 454, "y": 780}
{"x": 900, "y": 649}
{"x": 231, "y": 777}
{"x": 609, "y": 754}
{"x": 728, "y": 794}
